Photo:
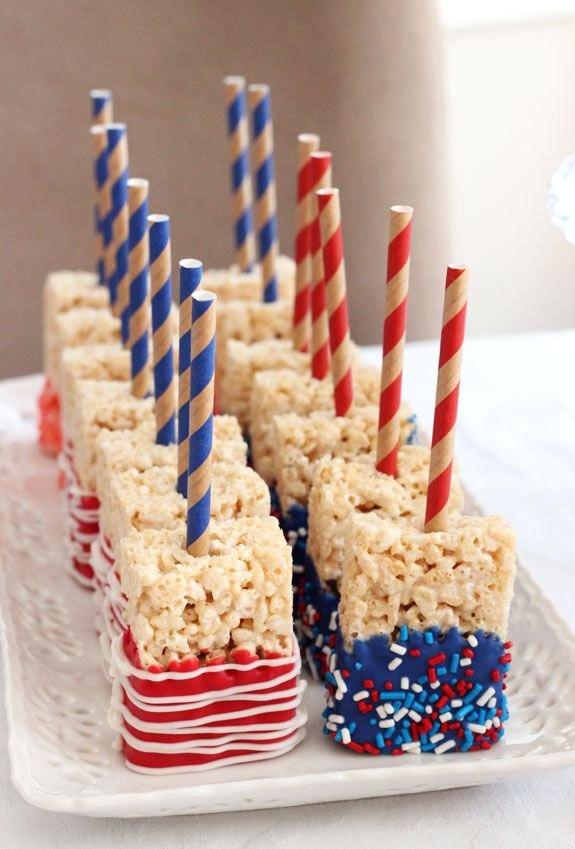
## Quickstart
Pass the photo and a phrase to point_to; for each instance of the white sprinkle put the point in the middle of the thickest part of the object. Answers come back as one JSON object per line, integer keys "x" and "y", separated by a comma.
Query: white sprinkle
{"x": 496, "y": 722}
{"x": 393, "y": 664}
{"x": 386, "y": 723}
{"x": 428, "y": 709}
{"x": 456, "y": 703}
{"x": 449, "y": 744}
{"x": 336, "y": 717}
{"x": 330, "y": 702}
{"x": 389, "y": 708}
{"x": 417, "y": 688}
{"x": 445, "y": 717}
{"x": 485, "y": 696}
{"x": 397, "y": 649}
{"x": 434, "y": 685}
{"x": 340, "y": 682}
{"x": 339, "y": 695}
{"x": 345, "y": 735}
{"x": 380, "y": 711}
{"x": 465, "y": 661}
{"x": 319, "y": 641}
{"x": 477, "y": 729}
{"x": 326, "y": 650}
{"x": 302, "y": 532}
{"x": 358, "y": 697}
{"x": 472, "y": 640}
{"x": 488, "y": 724}
{"x": 298, "y": 570}
{"x": 415, "y": 715}
{"x": 492, "y": 702}
{"x": 404, "y": 683}
{"x": 332, "y": 662}
{"x": 414, "y": 746}
{"x": 332, "y": 620}
{"x": 436, "y": 737}
{"x": 331, "y": 726}
{"x": 400, "y": 714}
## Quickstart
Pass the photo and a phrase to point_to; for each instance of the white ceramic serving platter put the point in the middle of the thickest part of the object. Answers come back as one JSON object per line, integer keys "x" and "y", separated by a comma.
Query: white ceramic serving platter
{"x": 61, "y": 749}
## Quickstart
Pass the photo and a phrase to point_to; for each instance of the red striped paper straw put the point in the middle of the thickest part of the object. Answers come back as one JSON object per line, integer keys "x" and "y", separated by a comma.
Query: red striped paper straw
{"x": 393, "y": 338}
{"x": 447, "y": 397}
{"x": 320, "y": 357}
{"x": 307, "y": 143}
{"x": 336, "y": 297}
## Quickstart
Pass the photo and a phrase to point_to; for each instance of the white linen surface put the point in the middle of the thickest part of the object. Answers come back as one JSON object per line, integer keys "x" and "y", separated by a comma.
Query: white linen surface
{"x": 516, "y": 447}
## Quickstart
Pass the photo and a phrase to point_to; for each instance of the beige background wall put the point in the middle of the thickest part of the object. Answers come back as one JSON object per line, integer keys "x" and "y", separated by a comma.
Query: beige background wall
{"x": 365, "y": 75}
{"x": 511, "y": 121}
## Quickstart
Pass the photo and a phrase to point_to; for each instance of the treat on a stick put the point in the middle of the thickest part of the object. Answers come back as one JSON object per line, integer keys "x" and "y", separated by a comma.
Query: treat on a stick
{"x": 139, "y": 269}
{"x": 190, "y": 279}
{"x": 423, "y": 612}
{"x": 307, "y": 143}
{"x": 321, "y": 176}
{"x": 117, "y": 249}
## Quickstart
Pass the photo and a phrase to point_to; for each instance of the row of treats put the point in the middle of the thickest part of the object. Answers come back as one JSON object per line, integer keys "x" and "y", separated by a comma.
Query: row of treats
{"x": 306, "y": 502}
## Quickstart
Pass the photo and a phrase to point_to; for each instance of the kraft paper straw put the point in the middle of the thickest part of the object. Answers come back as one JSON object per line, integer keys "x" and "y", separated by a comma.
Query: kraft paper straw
{"x": 307, "y": 143}
{"x": 102, "y": 198}
{"x": 447, "y": 397}
{"x": 264, "y": 171}
{"x": 398, "y": 253}
{"x": 190, "y": 277}
{"x": 139, "y": 267}
{"x": 336, "y": 297}
{"x": 201, "y": 422}
{"x": 161, "y": 280}
{"x": 102, "y": 106}
{"x": 242, "y": 200}
{"x": 117, "y": 265}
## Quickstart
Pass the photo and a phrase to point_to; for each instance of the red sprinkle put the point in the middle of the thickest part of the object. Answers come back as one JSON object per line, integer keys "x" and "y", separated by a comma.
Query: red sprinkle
{"x": 432, "y": 676}
{"x": 372, "y": 750}
{"x": 345, "y": 673}
{"x": 448, "y": 691}
{"x": 368, "y": 684}
{"x": 468, "y": 672}
{"x": 388, "y": 685}
{"x": 505, "y": 658}
{"x": 415, "y": 653}
{"x": 468, "y": 653}
{"x": 495, "y": 675}
{"x": 374, "y": 695}
{"x": 438, "y": 658}
{"x": 357, "y": 747}
{"x": 364, "y": 707}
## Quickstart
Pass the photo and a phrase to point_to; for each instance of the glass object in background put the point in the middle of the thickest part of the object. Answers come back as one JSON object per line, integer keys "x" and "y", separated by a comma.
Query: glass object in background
{"x": 561, "y": 198}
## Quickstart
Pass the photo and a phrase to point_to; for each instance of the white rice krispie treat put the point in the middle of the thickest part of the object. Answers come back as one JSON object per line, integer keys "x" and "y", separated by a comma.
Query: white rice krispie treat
{"x": 283, "y": 391}
{"x": 230, "y": 284}
{"x": 238, "y": 596}
{"x": 395, "y": 574}
{"x": 118, "y": 451}
{"x": 341, "y": 488}
{"x": 299, "y": 442}
{"x": 80, "y": 327}
{"x": 244, "y": 361}
{"x": 65, "y": 291}
{"x": 249, "y": 321}
{"x": 138, "y": 500}
{"x": 90, "y": 362}
{"x": 100, "y": 405}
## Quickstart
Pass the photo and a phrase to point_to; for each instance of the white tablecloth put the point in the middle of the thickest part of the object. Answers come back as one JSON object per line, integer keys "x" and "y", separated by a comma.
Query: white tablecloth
{"x": 516, "y": 447}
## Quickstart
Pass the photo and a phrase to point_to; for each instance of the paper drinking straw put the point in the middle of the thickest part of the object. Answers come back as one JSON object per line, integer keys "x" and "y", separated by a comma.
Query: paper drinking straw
{"x": 242, "y": 200}
{"x": 201, "y": 422}
{"x": 102, "y": 198}
{"x": 161, "y": 279}
{"x": 266, "y": 217}
{"x": 117, "y": 257}
{"x": 190, "y": 277}
{"x": 139, "y": 269}
{"x": 398, "y": 252}
{"x": 447, "y": 397}
{"x": 336, "y": 297}
{"x": 320, "y": 356}
{"x": 102, "y": 106}
{"x": 307, "y": 143}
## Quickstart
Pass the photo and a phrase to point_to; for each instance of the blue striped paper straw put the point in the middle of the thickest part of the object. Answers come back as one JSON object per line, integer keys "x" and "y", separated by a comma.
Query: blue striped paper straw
{"x": 266, "y": 216}
{"x": 201, "y": 422}
{"x": 190, "y": 277}
{"x": 161, "y": 280}
{"x": 139, "y": 268}
{"x": 117, "y": 265}
{"x": 242, "y": 201}
{"x": 102, "y": 204}
{"x": 102, "y": 106}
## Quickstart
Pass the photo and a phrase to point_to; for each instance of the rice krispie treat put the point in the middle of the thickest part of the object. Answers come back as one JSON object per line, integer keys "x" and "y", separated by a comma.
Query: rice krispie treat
{"x": 421, "y": 656}
{"x": 249, "y": 321}
{"x": 230, "y": 284}
{"x": 79, "y": 328}
{"x": 283, "y": 391}
{"x": 339, "y": 490}
{"x": 89, "y": 362}
{"x": 214, "y": 635}
{"x": 244, "y": 361}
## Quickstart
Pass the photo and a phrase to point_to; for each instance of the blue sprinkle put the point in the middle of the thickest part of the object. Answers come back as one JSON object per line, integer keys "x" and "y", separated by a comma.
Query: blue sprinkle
{"x": 388, "y": 695}
{"x": 472, "y": 694}
{"x": 454, "y": 664}
{"x": 379, "y": 741}
{"x": 423, "y": 696}
{"x": 409, "y": 700}
{"x": 468, "y": 735}
{"x": 358, "y": 665}
{"x": 482, "y": 715}
{"x": 423, "y": 680}
{"x": 418, "y": 707}
{"x": 429, "y": 638}
{"x": 352, "y": 727}
{"x": 429, "y": 747}
{"x": 406, "y": 735}
{"x": 337, "y": 737}
{"x": 405, "y": 724}
{"x": 403, "y": 633}
{"x": 463, "y": 711}
{"x": 434, "y": 728}
{"x": 371, "y": 722}
{"x": 472, "y": 716}
{"x": 329, "y": 676}
{"x": 467, "y": 745}
{"x": 491, "y": 713}
{"x": 388, "y": 732}
{"x": 326, "y": 731}
{"x": 434, "y": 697}
{"x": 441, "y": 670}
{"x": 398, "y": 740}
